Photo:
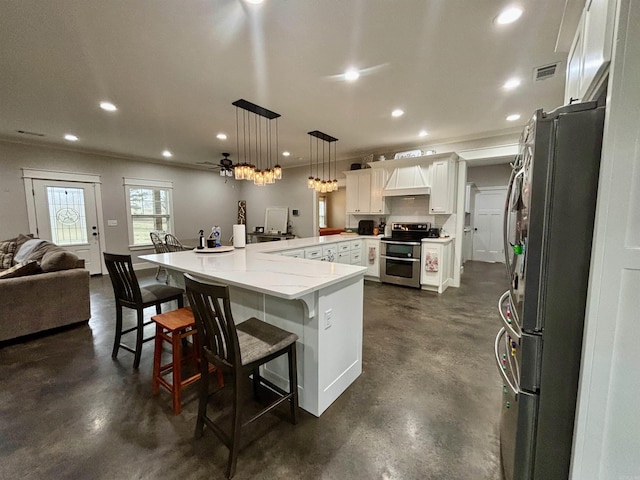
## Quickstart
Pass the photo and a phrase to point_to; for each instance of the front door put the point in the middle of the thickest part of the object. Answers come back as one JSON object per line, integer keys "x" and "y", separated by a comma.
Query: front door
{"x": 488, "y": 244}
{"x": 66, "y": 215}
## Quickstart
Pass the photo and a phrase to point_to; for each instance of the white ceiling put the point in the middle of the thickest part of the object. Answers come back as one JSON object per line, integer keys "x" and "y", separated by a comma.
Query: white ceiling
{"x": 174, "y": 67}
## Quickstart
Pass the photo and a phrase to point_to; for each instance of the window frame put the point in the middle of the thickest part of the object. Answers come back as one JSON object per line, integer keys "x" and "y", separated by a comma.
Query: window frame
{"x": 322, "y": 200}
{"x": 136, "y": 183}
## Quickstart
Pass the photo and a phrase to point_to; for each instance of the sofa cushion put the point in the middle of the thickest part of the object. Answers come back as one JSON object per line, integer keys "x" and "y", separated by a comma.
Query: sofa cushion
{"x": 21, "y": 270}
{"x": 7, "y": 251}
{"x": 55, "y": 260}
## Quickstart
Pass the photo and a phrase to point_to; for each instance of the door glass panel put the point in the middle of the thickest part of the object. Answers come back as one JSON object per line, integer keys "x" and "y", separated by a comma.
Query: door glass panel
{"x": 67, "y": 215}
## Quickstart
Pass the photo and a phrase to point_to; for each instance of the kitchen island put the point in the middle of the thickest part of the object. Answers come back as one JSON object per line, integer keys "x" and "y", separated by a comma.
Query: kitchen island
{"x": 321, "y": 302}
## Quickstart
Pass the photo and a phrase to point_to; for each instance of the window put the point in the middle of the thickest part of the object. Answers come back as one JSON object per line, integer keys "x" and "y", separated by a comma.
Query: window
{"x": 322, "y": 211}
{"x": 149, "y": 209}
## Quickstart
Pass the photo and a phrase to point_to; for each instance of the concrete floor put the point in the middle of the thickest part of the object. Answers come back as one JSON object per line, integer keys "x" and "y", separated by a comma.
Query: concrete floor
{"x": 426, "y": 406}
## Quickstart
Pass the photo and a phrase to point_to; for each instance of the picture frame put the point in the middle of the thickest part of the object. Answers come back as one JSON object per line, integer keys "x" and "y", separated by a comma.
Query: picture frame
{"x": 408, "y": 154}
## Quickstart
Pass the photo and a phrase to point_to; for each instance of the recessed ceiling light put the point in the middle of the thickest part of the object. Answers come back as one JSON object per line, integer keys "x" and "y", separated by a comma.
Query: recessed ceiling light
{"x": 423, "y": 133}
{"x": 108, "y": 106}
{"x": 71, "y": 137}
{"x": 221, "y": 136}
{"x": 254, "y": 2}
{"x": 397, "y": 113}
{"x": 167, "y": 154}
{"x": 351, "y": 75}
{"x": 511, "y": 83}
{"x": 509, "y": 15}
{"x": 513, "y": 118}
{"x": 285, "y": 154}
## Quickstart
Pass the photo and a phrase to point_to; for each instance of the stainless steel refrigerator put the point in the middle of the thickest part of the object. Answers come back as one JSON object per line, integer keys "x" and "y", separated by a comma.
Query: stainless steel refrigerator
{"x": 548, "y": 229}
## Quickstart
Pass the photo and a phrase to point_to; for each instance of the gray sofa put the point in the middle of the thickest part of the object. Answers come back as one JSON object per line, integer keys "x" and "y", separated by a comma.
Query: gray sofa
{"x": 43, "y": 300}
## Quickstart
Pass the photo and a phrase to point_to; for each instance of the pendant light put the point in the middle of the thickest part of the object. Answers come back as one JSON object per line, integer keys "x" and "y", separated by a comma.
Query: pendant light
{"x": 321, "y": 185}
{"x": 259, "y": 148}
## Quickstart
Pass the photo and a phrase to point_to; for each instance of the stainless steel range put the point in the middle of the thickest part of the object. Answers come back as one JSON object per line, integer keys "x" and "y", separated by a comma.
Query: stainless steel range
{"x": 400, "y": 254}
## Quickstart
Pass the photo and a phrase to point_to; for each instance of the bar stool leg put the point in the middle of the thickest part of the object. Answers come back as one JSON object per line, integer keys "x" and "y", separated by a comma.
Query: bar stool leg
{"x": 157, "y": 358}
{"x": 177, "y": 357}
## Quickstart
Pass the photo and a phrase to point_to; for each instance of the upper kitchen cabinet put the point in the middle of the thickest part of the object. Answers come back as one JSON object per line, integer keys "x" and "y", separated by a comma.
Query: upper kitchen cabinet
{"x": 443, "y": 187}
{"x": 590, "y": 54}
{"x": 359, "y": 191}
{"x": 379, "y": 178}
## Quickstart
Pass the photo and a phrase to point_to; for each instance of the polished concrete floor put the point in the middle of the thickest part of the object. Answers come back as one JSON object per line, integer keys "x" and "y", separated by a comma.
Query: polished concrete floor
{"x": 426, "y": 406}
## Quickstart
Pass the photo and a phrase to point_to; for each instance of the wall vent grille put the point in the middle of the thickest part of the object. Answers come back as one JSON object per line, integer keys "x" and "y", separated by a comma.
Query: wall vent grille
{"x": 547, "y": 71}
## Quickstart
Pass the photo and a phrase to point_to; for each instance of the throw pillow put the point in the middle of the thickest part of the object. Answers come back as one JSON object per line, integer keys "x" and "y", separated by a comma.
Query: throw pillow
{"x": 21, "y": 239}
{"x": 53, "y": 261}
{"x": 32, "y": 249}
{"x": 7, "y": 250}
{"x": 20, "y": 270}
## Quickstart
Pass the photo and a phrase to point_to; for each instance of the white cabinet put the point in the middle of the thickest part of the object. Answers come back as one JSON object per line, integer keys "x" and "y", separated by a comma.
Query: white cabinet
{"x": 590, "y": 54}
{"x": 371, "y": 257}
{"x": 436, "y": 265}
{"x": 330, "y": 252}
{"x": 379, "y": 178}
{"x": 443, "y": 187}
{"x": 358, "y": 192}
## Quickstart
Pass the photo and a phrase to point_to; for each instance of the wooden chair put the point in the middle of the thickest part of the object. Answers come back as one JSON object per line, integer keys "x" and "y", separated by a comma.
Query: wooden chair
{"x": 236, "y": 350}
{"x": 173, "y": 244}
{"x": 128, "y": 293}
{"x": 159, "y": 247}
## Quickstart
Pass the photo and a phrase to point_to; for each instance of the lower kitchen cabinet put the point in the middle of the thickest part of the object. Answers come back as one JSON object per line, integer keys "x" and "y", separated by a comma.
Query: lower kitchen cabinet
{"x": 436, "y": 264}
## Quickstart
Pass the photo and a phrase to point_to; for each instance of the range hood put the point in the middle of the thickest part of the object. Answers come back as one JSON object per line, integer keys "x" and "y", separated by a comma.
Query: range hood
{"x": 406, "y": 180}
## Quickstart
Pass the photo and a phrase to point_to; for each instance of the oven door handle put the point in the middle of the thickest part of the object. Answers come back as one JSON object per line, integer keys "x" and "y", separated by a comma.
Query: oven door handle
{"x": 400, "y": 259}
{"x": 400, "y": 243}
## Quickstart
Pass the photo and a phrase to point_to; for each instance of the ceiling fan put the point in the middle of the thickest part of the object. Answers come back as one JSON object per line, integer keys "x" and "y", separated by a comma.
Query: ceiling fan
{"x": 225, "y": 165}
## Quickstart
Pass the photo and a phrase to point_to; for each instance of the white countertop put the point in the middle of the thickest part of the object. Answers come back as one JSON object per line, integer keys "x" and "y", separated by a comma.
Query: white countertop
{"x": 438, "y": 240}
{"x": 254, "y": 269}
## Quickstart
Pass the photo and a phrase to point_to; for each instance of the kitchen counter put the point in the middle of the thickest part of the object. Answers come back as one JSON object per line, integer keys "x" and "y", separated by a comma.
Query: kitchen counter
{"x": 321, "y": 302}
{"x": 439, "y": 240}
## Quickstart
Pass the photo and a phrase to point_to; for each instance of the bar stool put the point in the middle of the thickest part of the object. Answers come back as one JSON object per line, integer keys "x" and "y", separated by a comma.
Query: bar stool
{"x": 174, "y": 328}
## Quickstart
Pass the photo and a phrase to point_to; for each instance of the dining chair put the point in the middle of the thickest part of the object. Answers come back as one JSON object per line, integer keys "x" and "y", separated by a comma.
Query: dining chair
{"x": 173, "y": 244}
{"x": 128, "y": 293}
{"x": 237, "y": 351}
{"x": 159, "y": 247}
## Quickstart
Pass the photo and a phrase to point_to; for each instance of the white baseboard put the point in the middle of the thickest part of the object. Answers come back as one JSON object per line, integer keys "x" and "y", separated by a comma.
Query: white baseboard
{"x": 144, "y": 266}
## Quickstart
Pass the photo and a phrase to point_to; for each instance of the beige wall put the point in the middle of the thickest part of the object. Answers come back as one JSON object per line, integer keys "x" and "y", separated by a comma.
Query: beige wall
{"x": 489, "y": 175}
{"x": 200, "y": 198}
{"x": 336, "y": 208}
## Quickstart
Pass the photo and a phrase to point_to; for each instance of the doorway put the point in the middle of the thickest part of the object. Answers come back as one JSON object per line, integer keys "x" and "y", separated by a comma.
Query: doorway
{"x": 488, "y": 245}
{"x": 67, "y": 211}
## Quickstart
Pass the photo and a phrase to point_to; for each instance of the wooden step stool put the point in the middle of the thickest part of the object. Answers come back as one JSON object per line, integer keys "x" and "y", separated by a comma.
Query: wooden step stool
{"x": 173, "y": 327}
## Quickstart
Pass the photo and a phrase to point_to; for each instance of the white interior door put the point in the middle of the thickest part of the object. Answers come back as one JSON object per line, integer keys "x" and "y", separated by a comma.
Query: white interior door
{"x": 66, "y": 214}
{"x": 488, "y": 245}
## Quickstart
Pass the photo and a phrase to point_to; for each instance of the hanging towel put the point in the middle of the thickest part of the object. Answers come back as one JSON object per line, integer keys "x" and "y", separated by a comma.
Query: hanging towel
{"x": 372, "y": 255}
{"x": 431, "y": 262}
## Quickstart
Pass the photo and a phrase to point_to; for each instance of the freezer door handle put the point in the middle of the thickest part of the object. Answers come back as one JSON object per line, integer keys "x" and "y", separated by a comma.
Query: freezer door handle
{"x": 509, "y": 324}
{"x": 502, "y": 371}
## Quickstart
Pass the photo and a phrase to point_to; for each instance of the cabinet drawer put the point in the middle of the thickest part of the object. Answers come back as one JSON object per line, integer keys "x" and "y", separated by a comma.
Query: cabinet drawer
{"x": 293, "y": 253}
{"x": 356, "y": 257}
{"x": 313, "y": 253}
{"x": 356, "y": 244}
{"x": 344, "y": 247}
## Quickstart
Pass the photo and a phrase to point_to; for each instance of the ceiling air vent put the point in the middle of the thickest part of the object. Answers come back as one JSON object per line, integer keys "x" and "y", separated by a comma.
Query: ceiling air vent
{"x": 542, "y": 73}
{"x": 26, "y": 132}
